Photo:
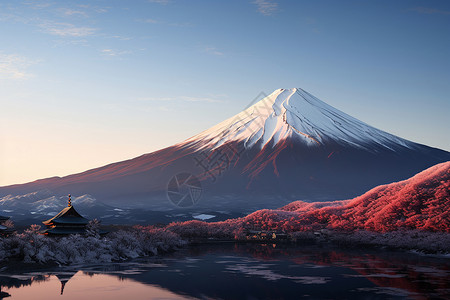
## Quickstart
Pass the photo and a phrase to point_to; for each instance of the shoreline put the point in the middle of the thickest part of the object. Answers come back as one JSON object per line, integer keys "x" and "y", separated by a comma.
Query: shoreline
{"x": 345, "y": 240}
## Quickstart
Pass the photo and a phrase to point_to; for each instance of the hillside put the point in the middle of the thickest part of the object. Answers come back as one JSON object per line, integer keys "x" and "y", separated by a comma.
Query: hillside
{"x": 421, "y": 202}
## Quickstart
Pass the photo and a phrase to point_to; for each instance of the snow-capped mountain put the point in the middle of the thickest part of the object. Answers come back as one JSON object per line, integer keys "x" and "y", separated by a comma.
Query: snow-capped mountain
{"x": 294, "y": 113}
{"x": 44, "y": 202}
{"x": 288, "y": 146}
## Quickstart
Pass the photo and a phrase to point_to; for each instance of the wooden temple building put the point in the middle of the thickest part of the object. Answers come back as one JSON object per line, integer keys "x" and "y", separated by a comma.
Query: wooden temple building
{"x": 67, "y": 221}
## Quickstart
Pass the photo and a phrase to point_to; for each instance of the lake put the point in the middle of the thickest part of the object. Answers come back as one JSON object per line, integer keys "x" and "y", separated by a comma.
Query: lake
{"x": 243, "y": 271}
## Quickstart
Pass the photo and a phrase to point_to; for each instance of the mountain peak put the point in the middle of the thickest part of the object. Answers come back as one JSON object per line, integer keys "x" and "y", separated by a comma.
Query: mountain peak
{"x": 296, "y": 114}
{"x": 288, "y": 146}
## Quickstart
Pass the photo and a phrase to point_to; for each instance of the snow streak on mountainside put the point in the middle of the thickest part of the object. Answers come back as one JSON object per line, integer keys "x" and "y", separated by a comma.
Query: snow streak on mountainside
{"x": 294, "y": 113}
{"x": 43, "y": 201}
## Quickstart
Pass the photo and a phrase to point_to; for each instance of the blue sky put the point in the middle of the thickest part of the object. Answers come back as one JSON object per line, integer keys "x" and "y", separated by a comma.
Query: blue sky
{"x": 86, "y": 83}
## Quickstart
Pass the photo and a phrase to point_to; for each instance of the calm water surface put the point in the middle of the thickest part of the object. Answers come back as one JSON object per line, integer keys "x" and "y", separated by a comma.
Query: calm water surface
{"x": 238, "y": 271}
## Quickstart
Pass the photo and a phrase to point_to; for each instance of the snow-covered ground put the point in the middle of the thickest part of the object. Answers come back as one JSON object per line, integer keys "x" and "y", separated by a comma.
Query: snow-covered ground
{"x": 32, "y": 247}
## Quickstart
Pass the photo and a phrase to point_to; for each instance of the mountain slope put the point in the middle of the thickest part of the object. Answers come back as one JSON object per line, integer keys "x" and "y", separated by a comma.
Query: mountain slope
{"x": 286, "y": 147}
{"x": 294, "y": 113}
{"x": 420, "y": 202}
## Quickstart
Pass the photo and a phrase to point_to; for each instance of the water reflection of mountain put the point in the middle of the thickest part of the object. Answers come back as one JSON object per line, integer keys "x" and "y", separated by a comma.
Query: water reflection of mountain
{"x": 10, "y": 281}
{"x": 394, "y": 269}
{"x": 266, "y": 272}
{"x": 236, "y": 271}
{"x": 17, "y": 281}
{"x": 26, "y": 279}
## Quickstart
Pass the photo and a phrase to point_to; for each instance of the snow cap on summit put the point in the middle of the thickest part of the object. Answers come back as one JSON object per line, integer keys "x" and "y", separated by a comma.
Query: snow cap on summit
{"x": 295, "y": 113}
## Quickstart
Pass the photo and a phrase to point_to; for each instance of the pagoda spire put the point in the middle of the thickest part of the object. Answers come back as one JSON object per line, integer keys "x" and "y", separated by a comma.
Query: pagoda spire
{"x": 63, "y": 284}
{"x": 70, "y": 201}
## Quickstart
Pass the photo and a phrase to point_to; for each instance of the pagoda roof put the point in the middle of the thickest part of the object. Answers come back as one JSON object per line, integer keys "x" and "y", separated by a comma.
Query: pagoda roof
{"x": 3, "y": 227}
{"x": 2, "y": 218}
{"x": 67, "y": 216}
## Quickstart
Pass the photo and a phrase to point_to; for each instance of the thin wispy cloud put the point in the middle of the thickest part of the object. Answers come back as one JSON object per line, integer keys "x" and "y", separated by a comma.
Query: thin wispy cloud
{"x": 93, "y": 8}
{"x": 266, "y": 7}
{"x": 14, "y": 66}
{"x": 52, "y": 18}
{"x": 72, "y": 12}
{"x": 430, "y": 11}
{"x": 120, "y": 37}
{"x": 151, "y": 21}
{"x": 163, "y": 2}
{"x": 161, "y": 22}
{"x": 213, "y": 51}
{"x": 11, "y": 17}
{"x": 71, "y": 42}
{"x": 180, "y": 98}
{"x": 113, "y": 53}
{"x": 38, "y": 4}
{"x": 67, "y": 29}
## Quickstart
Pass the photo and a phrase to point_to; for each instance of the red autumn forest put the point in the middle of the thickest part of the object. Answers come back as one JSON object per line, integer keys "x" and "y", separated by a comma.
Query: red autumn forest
{"x": 421, "y": 202}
